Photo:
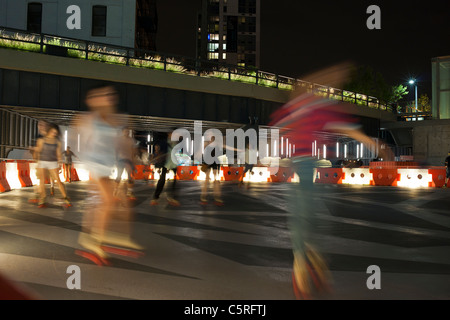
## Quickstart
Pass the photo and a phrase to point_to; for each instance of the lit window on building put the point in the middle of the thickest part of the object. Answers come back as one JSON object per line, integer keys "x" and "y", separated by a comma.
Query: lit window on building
{"x": 213, "y": 37}
{"x": 213, "y": 55}
{"x": 213, "y": 47}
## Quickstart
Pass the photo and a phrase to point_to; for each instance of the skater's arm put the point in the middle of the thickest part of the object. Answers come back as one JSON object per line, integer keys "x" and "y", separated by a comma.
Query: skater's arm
{"x": 38, "y": 148}
{"x": 58, "y": 152}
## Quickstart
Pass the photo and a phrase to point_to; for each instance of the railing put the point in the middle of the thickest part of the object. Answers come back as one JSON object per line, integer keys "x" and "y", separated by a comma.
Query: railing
{"x": 134, "y": 57}
{"x": 415, "y": 116}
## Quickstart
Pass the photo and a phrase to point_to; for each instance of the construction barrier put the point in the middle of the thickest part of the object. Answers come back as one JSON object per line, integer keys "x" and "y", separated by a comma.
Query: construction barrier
{"x": 437, "y": 177}
{"x": 73, "y": 174}
{"x": 142, "y": 172}
{"x": 385, "y": 176}
{"x": 23, "y": 168}
{"x": 233, "y": 173}
{"x": 330, "y": 175}
{"x": 257, "y": 174}
{"x": 282, "y": 174}
{"x": 357, "y": 176}
{"x": 392, "y": 164}
{"x": 15, "y": 174}
{"x": 187, "y": 172}
{"x": 4, "y": 185}
{"x": 416, "y": 177}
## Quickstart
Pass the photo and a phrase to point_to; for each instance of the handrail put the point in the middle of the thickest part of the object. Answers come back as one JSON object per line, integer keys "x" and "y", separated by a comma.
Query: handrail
{"x": 135, "y": 57}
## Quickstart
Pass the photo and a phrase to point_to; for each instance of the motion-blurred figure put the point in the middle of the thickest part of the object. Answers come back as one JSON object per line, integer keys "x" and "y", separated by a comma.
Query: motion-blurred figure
{"x": 49, "y": 157}
{"x": 100, "y": 129}
{"x": 211, "y": 146}
{"x": 42, "y": 131}
{"x": 305, "y": 118}
{"x": 142, "y": 157}
{"x": 248, "y": 166}
{"x": 68, "y": 161}
{"x": 125, "y": 155}
{"x": 162, "y": 160}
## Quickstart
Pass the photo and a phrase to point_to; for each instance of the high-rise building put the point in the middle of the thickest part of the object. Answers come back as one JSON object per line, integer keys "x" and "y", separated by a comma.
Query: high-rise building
{"x": 229, "y": 32}
{"x": 128, "y": 23}
{"x": 146, "y": 24}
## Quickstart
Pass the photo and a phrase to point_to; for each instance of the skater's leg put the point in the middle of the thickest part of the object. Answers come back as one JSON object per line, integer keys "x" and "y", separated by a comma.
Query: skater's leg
{"x": 159, "y": 185}
{"x": 204, "y": 191}
{"x": 54, "y": 176}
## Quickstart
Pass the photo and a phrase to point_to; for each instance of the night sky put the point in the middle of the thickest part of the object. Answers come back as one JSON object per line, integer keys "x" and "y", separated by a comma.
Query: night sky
{"x": 299, "y": 36}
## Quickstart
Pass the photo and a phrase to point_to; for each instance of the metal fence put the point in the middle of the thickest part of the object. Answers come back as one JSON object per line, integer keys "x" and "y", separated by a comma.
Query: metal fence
{"x": 16, "y": 132}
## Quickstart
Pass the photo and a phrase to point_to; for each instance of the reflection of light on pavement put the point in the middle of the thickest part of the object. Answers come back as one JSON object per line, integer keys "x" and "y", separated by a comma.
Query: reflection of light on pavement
{"x": 414, "y": 178}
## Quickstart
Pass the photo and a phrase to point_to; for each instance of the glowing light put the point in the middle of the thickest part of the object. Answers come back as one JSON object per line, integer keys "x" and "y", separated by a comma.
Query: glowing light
{"x": 187, "y": 145}
{"x": 357, "y": 176}
{"x": 12, "y": 175}
{"x": 414, "y": 178}
{"x": 345, "y": 151}
{"x": 33, "y": 175}
{"x": 258, "y": 174}
{"x": 65, "y": 140}
{"x": 324, "y": 151}
{"x": 337, "y": 149}
{"x": 78, "y": 138}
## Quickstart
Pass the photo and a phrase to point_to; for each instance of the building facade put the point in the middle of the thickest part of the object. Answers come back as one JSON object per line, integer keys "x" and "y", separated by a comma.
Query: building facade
{"x": 229, "y": 32}
{"x": 104, "y": 21}
{"x": 440, "y": 69}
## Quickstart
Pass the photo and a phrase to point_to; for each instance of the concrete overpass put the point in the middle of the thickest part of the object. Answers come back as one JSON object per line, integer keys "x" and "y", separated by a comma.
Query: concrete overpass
{"x": 39, "y": 86}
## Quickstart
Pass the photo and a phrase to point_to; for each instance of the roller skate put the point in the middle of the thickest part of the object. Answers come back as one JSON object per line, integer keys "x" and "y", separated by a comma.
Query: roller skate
{"x": 218, "y": 202}
{"x": 310, "y": 275}
{"x": 52, "y": 190}
{"x": 131, "y": 196}
{"x": 42, "y": 203}
{"x": 34, "y": 200}
{"x": 154, "y": 202}
{"x": 93, "y": 250}
{"x": 203, "y": 201}
{"x": 173, "y": 202}
{"x": 66, "y": 202}
{"x": 121, "y": 244}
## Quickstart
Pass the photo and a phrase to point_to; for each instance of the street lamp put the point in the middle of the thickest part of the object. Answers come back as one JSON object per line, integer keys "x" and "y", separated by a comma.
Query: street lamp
{"x": 415, "y": 85}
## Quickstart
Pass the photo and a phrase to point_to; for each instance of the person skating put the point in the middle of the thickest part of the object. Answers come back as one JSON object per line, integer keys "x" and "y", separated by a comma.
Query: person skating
{"x": 100, "y": 128}
{"x": 162, "y": 159}
{"x": 68, "y": 163}
{"x": 125, "y": 155}
{"x": 49, "y": 157}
